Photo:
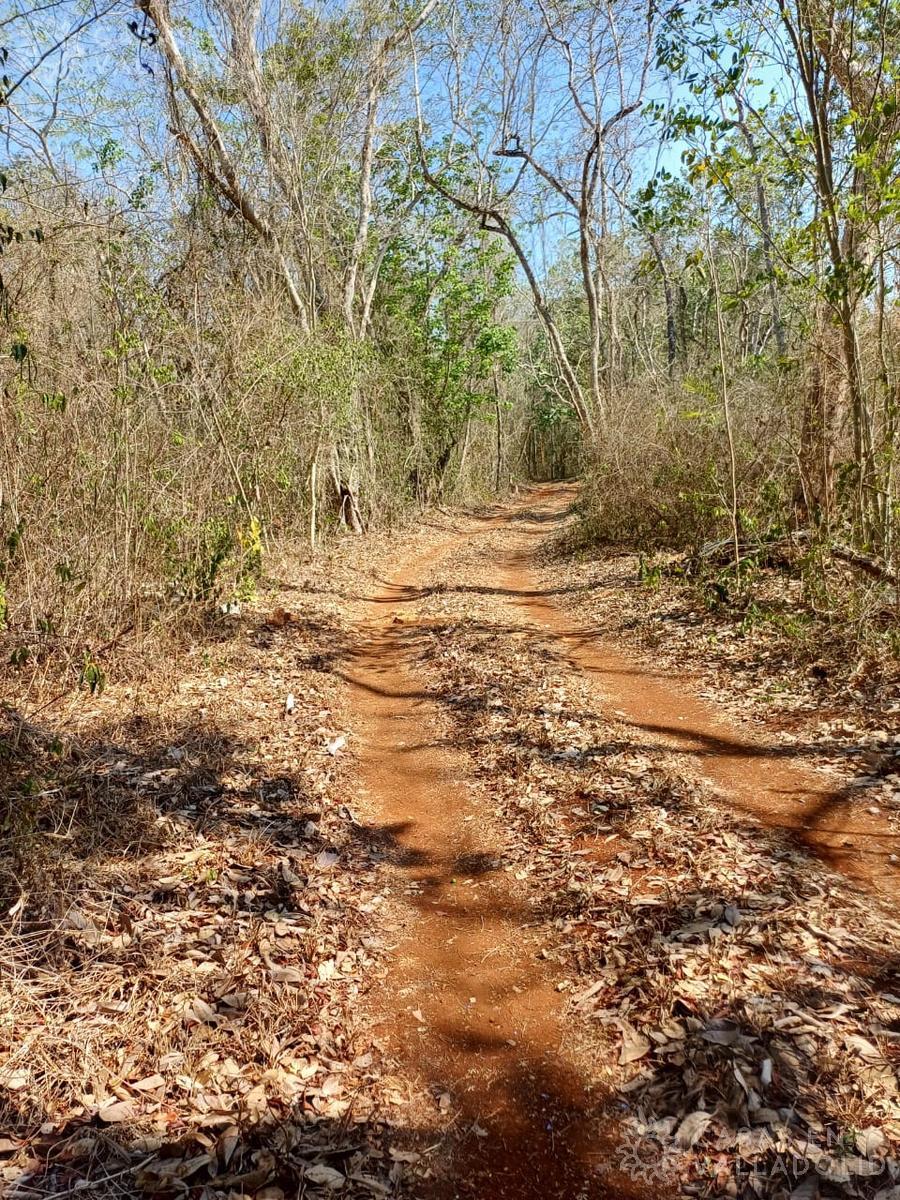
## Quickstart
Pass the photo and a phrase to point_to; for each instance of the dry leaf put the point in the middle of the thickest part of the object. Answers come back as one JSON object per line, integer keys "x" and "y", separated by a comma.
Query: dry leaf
{"x": 871, "y": 1142}
{"x": 150, "y": 1084}
{"x": 199, "y": 1011}
{"x": 692, "y": 1128}
{"x": 634, "y": 1044}
{"x": 116, "y": 1112}
{"x": 15, "y": 1079}
{"x": 404, "y": 1156}
{"x": 325, "y": 1176}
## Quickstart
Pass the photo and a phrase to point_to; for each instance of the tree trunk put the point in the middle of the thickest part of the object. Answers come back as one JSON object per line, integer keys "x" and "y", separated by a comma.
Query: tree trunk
{"x": 671, "y": 328}
{"x": 345, "y": 495}
{"x": 498, "y": 412}
{"x": 824, "y": 404}
{"x": 765, "y": 225}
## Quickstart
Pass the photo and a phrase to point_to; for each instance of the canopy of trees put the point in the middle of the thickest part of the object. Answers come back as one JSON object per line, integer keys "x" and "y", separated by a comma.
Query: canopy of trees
{"x": 272, "y": 268}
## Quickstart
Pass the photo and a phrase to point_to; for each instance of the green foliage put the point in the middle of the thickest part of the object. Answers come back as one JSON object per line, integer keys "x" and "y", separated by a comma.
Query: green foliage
{"x": 250, "y": 559}
{"x": 197, "y": 574}
{"x": 54, "y": 401}
{"x": 649, "y": 573}
{"x": 92, "y": 675}
{"x": 109, "y": 155}
{"x": 311, "y": 50}
{"x": 444, "y": 285}
{"x": 168, "y": 406}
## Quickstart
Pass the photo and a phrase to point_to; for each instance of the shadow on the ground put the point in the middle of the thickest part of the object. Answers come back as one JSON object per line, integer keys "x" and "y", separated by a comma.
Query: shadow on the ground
{"x": 73, "y": 812}
{"x": 778, "y": 769}
{"x": 82, "y": 816}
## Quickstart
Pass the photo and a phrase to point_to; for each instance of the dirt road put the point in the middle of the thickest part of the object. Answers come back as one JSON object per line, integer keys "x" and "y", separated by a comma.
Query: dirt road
{"x": 474, "y": 1005}
{"x": 752, "y": 775}
{"x": 410, "y": 882}
{"x": 468, "y": 1006}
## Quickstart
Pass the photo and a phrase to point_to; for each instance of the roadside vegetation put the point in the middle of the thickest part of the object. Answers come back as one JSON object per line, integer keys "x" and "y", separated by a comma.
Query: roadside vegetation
{"x": 269, "y": 275}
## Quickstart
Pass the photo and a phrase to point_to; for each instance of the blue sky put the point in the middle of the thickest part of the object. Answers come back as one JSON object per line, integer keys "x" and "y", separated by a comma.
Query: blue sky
{"x": 112, "y": 130}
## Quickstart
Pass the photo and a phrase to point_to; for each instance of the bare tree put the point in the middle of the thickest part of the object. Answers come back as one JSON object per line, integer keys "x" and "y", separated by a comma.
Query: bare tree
{"x": 213, "y": 159}
{"x": 550, "y": 93}
{"x": 277, "y": 178}
{"x": 843, "y": 55}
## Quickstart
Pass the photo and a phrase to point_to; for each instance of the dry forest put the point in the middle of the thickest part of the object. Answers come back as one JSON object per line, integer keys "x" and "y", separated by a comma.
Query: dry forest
{"x": 449, "y": 599}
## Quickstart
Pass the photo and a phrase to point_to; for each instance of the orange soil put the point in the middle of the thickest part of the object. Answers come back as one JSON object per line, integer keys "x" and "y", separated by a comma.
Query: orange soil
{"x": 469, "y": 1007}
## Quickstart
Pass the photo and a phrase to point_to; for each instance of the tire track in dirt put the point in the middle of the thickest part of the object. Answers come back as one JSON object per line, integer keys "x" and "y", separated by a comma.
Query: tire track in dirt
{"x": 469, "y": 1010}
{"x": 752, "y": 777}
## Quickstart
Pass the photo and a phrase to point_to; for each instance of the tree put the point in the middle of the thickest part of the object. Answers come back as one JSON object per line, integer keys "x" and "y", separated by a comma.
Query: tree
{"x": 555, "y": 111}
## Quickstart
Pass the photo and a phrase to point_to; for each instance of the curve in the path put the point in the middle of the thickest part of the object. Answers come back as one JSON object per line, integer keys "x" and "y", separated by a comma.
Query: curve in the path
{"x": 755, "y": 778}
{"x": 469, "y": 1009}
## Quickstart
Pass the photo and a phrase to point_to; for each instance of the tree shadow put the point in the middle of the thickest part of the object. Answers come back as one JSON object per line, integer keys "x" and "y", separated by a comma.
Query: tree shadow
{"x": 818, "y": 815}
{"x": 757, "y": 1086}
{"x": 129, "y": 792}
{"x": 95, "y": 806}
{"x": 645, "y": 927}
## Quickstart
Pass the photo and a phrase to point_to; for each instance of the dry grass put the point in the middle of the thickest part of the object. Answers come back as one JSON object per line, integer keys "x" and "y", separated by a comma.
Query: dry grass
{"x": 157, "y": 436}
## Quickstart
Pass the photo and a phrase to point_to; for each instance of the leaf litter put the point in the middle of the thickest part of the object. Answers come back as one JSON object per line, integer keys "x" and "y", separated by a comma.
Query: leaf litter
{"x": 767, "y": 663}
{"x": 739, "y": 1000}
{"x": 184, "y": 966}
{"x": 194, "y": 918}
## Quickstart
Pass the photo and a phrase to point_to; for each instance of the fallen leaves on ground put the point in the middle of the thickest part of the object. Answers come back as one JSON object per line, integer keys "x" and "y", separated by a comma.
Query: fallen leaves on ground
{"x": 740, "y": 1000}
{"x": 766, "y": 663}
{"x": 195, "y": 918}
{"x": 186, "y": 957}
